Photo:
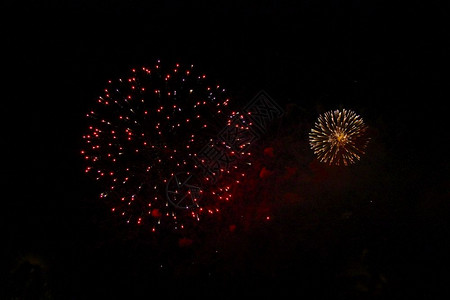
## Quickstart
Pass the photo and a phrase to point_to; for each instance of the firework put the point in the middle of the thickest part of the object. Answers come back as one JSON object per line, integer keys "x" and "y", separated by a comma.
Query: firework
{"x": 339, "y": 137}
{"x": 146, "y": 142}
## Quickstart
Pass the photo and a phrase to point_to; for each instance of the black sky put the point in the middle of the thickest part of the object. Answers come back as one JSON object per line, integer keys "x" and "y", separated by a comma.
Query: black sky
{"x": 384, "y": 60}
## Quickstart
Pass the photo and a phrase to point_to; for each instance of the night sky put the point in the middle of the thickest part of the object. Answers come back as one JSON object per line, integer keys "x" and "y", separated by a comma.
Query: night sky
{"x": 376, "y": 229}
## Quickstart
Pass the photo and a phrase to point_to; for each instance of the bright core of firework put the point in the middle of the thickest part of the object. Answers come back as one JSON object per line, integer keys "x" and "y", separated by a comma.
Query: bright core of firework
{"x": 339, "y": 137}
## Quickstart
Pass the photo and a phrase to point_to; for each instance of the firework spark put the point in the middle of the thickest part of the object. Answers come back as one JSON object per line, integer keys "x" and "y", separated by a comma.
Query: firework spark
{"x": 339, "y": 137}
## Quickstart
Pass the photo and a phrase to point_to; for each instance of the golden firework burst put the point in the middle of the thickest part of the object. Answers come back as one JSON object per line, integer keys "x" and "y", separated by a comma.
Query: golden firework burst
{"x": 339, "y": 137}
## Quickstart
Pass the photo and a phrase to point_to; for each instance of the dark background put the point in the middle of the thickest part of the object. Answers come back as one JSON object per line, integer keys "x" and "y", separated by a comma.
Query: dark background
{"x": 382, "y": 233}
